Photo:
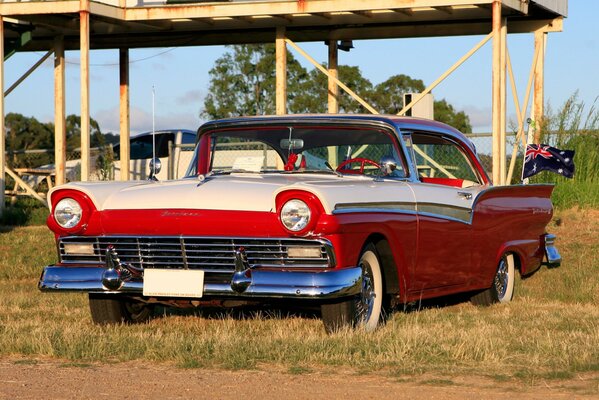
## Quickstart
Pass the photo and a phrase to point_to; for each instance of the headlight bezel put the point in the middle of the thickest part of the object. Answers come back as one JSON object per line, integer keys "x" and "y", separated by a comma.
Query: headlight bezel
{"x": 310, "y": 200}
{"x": 87, "y": 211}
{"x": 295, "y": 215}
{"x": 65, "y": 206}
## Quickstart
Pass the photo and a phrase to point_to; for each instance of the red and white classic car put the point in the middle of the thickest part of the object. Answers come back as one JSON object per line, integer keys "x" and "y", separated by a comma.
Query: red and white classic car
{"x": 354, "y": 214}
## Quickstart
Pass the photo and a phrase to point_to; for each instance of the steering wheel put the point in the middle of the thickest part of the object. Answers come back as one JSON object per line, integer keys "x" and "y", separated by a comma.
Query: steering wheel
{"x": 362, "y": 161}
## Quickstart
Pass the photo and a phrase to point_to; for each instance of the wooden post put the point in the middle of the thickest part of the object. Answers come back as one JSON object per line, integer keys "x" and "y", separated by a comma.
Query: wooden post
{"x": 538, "y": 93}
{"x": 2, "y": 130}
{"x": 502, "y": 116}
{"x": 84, "y": 68}
{"x": 124, "y": 113}
{"x": 333, "y": 93}
{"x": 497, "y": 92}
{"x": 60, "y": 133}
{"x": 281, "y": 72}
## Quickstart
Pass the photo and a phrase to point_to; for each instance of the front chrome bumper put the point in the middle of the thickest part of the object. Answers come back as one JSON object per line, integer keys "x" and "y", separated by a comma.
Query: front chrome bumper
{"x": 266, "y": 283}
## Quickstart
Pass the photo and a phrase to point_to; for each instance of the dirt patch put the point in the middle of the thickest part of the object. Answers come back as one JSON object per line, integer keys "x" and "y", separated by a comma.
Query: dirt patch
{"x": 35, "y": 379}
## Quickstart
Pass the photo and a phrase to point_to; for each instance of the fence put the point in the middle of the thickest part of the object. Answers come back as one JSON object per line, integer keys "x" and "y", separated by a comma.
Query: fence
{"x": 179, "y": 157}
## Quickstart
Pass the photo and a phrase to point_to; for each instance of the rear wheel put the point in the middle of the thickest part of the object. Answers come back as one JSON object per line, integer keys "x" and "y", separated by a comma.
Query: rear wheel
{"x": 502, "y": 289}
{"x": 114, "y": 310}
{"x": 364, "y": 310}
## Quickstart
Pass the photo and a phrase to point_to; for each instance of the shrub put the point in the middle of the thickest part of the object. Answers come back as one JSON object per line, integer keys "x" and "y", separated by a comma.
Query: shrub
{"x": 574, "y": 127}
{"x": 25, "y": 211}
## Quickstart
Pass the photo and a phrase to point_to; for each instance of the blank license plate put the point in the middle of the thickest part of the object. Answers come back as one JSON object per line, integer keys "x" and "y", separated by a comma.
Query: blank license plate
{"x": 173, "y": 283}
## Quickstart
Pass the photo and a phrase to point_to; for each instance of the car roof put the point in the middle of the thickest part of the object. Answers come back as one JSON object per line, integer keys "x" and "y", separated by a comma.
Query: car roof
{"x": 184, "y": 131}
{"x": 402, "y": 124}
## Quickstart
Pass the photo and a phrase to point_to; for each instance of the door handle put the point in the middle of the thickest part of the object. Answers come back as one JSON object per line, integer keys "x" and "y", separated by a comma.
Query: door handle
{"x": 465, "y": 195}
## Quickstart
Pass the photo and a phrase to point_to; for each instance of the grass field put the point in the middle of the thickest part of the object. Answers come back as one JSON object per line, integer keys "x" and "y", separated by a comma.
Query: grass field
{"x": 549, "y": 331}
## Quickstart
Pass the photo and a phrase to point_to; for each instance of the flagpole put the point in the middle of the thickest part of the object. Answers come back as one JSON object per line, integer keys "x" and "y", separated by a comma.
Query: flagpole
{"x": 525, "y": 181}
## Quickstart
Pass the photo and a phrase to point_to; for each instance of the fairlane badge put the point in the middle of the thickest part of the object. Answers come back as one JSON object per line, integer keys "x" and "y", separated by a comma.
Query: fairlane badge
{"x": 175, "y": 213}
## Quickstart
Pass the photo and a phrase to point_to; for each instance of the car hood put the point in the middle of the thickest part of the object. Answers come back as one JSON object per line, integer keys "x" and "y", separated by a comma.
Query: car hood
{"x": 242, "y": 192}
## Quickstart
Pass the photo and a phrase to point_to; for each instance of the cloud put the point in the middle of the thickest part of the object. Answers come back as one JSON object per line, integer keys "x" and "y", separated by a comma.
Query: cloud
{"x": 481, "y": 118}
{"x": 141, "y": 120}
{"x": 190, "y": 97}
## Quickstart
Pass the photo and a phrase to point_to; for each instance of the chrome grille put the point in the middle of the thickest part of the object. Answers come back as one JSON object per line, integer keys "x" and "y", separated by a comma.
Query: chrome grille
{"x": 210, "y": 254}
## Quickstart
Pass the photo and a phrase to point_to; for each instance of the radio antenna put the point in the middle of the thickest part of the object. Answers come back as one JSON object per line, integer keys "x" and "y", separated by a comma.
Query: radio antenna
{"x": 153, "y": 124}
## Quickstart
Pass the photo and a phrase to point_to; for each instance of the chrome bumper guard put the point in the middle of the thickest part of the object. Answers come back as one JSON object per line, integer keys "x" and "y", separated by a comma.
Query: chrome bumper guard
{"x": 258, "y": 283}
{"x": 554, "y": 259}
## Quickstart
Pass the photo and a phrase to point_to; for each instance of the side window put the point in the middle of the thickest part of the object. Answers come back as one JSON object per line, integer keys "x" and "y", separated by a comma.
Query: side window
{"x": 441, "y": 160}
{"x": 188, "y": 138}
{"x": 141, "y": 147}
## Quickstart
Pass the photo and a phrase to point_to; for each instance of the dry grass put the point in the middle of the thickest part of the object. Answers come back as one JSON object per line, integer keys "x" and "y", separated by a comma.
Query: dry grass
{"x": 550, "y": 330}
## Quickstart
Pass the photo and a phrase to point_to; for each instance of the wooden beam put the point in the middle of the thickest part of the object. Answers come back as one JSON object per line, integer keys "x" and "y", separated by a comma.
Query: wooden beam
{"x": 39, "y": 7}
{"x": 20, "y": 182}
{"x": 497, "y": 92}
{"x": 60, "y": 132}
{"x": 539, "y": 83}
{"x": 405, "y": 11}
{"x": 326, "y": 16}
{"x": 246, "y": 8}
{"x": 333, "y": 92}
{"x": 2, "y": 128}
{"x": 337, "y": 81}
{"x": 27, "y": 73}
{"x": 281, "y": 72}
{"x": 286, "y": 18}
{"x": 124, "y": 113}
{"x": 521, "y": 112}
{"x": 445, "y": 9}
{"x": 365, "y": 14}
{"x": 84, "y": 70}
{"x": 446, "y": 74}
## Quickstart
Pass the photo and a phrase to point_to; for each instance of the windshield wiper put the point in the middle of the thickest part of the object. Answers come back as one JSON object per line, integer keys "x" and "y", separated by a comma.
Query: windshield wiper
{"x": 339, "y": 174}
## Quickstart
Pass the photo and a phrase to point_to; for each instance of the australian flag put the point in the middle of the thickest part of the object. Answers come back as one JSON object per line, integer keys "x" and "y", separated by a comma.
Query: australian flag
{"x": 541, "y": 157}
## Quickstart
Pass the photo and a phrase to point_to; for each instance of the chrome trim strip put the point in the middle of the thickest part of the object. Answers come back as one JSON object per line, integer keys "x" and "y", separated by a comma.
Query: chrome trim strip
{"x": 445, "y": 211}
{"x": 442, "y": 211}
{"x": 321, "y": 285}
{"x": 384, "y": 205}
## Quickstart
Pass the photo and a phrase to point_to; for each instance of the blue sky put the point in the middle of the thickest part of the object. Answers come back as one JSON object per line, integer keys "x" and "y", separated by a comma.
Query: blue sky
{"x": 180, "y": 75}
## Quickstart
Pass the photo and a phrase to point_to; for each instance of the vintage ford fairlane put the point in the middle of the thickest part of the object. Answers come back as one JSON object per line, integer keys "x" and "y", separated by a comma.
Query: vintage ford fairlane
{"x": 352, "y": 214}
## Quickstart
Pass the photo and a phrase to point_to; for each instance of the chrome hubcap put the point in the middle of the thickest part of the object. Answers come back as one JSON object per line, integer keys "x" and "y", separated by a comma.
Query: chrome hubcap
{"x": 365, "y": 303}
{"x": 501, "y": 279}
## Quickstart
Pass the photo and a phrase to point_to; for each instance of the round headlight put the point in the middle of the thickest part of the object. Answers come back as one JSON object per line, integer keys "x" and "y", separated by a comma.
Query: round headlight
{"x": 67, "y": 213}
{"x": 295, "y": 215}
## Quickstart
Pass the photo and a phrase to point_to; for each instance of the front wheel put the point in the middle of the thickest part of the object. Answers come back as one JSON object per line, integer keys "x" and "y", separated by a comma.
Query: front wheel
{"x": 364, "y": 310}
{"x": 502, "y": 289}
{"x": 107, "y": 310}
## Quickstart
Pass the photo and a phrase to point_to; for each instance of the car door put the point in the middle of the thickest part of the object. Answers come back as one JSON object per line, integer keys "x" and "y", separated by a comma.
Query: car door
{"x": 444, "y": 193}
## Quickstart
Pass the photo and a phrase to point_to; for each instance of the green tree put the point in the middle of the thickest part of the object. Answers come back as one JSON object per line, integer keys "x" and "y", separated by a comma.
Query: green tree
{"x": 388, "y": 95}
{"x": 312, "y": 94}
{"x": 73, "y": 133}
{"x": 27, "y": 133}
{"x": 242, "y": 82}
{"x": 444, "y": 112}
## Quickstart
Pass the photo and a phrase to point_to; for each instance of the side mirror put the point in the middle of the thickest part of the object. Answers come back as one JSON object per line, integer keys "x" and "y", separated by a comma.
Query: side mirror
{"x": 388, "y": 165}
{"x": 155, "y": 167}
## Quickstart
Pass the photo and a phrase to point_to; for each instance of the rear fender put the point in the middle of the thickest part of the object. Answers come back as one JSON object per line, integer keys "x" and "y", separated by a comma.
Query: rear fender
{"x": 511, "y": 219}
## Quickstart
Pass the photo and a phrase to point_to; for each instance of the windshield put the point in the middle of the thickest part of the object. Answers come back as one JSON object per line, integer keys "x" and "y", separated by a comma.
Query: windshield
{"x": 290, "y": 149}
